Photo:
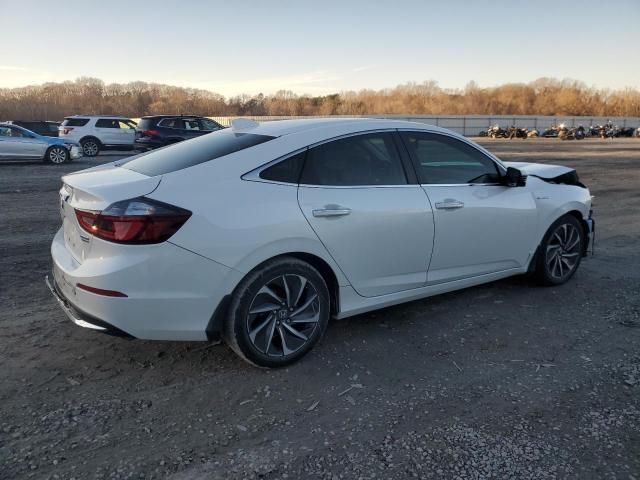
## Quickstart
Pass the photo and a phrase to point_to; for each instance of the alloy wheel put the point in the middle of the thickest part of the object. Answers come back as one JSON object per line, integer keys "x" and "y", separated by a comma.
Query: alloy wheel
{"x": 283, "y": 315}
{"x": 563, "y": 251}
{"x": 58, "y": 155}
{"x": 90, "y": 148}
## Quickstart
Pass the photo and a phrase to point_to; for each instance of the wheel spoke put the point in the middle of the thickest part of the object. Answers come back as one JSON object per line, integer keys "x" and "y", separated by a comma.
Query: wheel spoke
{"x": 559, "y": 262}
{"x": 270, "y": 336}
{"x": 286, "y": 290}
{"x": 303, "y": 285}
{"x": 305, "y": 305}
{"x": 312, "y": 319}
{"x": 295, "y": 332}
{"x": 285, "y": 348}
{"x": 253, "y": 333}
{"x": 265, "y": 307}
{"x": 266, "y": 290}
{"x": 573, "y": 245}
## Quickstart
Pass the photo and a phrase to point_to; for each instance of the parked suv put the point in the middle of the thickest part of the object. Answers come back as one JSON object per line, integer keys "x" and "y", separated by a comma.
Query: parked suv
{"x": 41, "y": 127}
{"x": 96, "y": 133}
{"x": 160, "y": 130}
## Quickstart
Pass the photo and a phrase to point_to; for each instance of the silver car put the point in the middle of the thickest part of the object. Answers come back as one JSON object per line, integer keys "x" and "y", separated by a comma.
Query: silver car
{"x": 17, "y": 143}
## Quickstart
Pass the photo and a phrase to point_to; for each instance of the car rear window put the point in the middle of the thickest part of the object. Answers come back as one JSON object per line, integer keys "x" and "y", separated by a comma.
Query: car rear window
{"x": 75, "y": 122}
{"x": 193, "y": 152}
{"x": 145, "y": 123}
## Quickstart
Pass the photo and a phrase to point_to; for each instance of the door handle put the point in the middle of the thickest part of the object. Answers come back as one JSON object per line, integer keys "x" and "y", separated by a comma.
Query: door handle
{"x": 331, "y": 212}
{"x": 449, "y": 205}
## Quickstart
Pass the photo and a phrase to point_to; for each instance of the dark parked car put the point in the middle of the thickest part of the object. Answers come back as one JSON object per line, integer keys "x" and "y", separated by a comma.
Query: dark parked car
{"x": 160, "y": 130}
{"x": 41, "y": 127}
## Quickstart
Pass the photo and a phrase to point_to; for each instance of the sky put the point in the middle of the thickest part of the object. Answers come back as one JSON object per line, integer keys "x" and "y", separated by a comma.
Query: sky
{"x": 319, "y": 47}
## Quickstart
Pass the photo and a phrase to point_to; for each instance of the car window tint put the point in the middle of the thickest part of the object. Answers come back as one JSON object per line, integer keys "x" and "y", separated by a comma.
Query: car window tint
{"x": 169, "y": 123}
{"x": 187, "y": 154}
{"x": 107, "y": 123}
{"x": 75, "y": 122}
{"x": 5, "y": 132}
{"x": 287, "y": 171}
{"x": 191, "y": 124}
{"x": 441, "y": 159}
{"x": 369, "y": 159}
{"x": 209, "y": 124}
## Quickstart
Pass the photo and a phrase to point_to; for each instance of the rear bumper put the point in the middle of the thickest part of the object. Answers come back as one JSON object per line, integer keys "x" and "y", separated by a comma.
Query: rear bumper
{"x": 79, "y": 317}
{"x": 171, "y": 293}
{"x": 148, "y": 144}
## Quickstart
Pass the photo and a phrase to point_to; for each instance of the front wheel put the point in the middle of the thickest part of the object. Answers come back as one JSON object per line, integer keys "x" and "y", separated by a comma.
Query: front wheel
{"x": 278, "y": 313}
{"x": 57, "y": 155}
{"x": 560, "y": 252}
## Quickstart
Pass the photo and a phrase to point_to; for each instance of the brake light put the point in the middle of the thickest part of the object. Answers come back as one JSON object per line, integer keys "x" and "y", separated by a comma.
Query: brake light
{"x": 149, "y": 133}
{"x": 66, "y": 130}
{"x": 136, "y": 221}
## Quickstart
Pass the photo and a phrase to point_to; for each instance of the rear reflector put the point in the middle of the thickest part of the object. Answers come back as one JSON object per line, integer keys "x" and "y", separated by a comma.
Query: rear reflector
{"x": 100, "y": 291}
{"x": 136, "y": 221}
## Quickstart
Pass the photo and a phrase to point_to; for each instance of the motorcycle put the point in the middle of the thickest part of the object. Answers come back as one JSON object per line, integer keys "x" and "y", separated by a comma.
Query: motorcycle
{"x": 551, "y": 132}
{"x": 566, "y": 133}
{"x": 496, "y": 132}
{"x": 515, "y": 132}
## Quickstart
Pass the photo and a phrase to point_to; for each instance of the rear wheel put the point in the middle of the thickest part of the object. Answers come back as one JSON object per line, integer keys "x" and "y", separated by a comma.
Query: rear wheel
{"x": 560, "y": 251}
{"x": 57, "y": 155}
{"x": 278, "y": 313}
{"x": 90, "y": 147}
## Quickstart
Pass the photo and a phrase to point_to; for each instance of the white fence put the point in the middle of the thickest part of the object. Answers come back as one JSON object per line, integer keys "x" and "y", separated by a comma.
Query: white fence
{"x": 471, "y": 125}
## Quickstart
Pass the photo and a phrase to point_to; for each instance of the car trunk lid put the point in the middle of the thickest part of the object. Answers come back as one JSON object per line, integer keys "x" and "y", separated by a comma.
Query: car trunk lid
{"x": 94, "y": 190}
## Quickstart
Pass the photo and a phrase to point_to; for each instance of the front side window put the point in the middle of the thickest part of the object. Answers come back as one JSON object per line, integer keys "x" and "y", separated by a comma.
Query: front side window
{"x": 441, "y": 159}
{"x": 368, "y": 159}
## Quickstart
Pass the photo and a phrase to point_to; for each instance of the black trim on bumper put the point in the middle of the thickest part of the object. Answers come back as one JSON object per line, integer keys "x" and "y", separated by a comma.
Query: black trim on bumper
{"x": 81, "y": 318}
{"x": 216, "y": 322}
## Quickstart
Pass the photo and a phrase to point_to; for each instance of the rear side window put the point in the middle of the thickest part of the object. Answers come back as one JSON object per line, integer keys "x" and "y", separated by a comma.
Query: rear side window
{"x": 287, "y": 171}
{"x": 75, "y": 122}
{"x": 193, "y": 152}
{"x": 369, "y": 159}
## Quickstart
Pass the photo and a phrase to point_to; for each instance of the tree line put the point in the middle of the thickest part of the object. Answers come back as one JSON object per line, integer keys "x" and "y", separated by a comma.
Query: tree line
{"x": 545, "y": 96}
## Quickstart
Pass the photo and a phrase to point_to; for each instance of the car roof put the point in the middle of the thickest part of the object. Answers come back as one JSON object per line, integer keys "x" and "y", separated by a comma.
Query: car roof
{"x": 278, "y": 128}
{"x": 182, "y": 115}
{"x": 99, "y": 116}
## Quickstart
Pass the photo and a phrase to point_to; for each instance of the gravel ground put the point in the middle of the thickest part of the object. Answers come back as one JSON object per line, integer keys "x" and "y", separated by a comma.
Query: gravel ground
{"x": 505, "y": 380}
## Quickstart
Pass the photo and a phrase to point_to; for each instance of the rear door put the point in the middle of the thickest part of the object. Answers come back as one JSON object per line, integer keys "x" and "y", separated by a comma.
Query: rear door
{"x": 481, "y": 226}
{"x": 377, "y": 226}
{"x": 191, "y": 128}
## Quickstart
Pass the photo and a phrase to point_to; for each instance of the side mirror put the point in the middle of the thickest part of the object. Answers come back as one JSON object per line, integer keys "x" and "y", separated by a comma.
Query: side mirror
{"x": 514, "y": 178}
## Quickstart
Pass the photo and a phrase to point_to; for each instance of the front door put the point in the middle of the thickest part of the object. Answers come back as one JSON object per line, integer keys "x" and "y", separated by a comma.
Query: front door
{"x": 379, "y": 229}
{"x": 481, "y": 226}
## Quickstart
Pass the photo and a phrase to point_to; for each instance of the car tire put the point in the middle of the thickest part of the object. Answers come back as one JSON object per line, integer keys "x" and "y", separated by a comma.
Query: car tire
{"x": 560, "y": 251}
{"x": 57, "y": 155}
{"x": 90, "y": 147}
{"x": 278, "y": 313}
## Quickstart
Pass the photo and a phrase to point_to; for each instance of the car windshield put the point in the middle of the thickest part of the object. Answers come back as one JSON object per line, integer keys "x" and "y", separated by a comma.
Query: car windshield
{"x": 193, "y": 152}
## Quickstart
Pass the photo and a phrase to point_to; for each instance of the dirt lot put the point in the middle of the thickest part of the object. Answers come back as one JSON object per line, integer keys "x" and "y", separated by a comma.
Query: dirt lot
{"x": 505, "y": 380}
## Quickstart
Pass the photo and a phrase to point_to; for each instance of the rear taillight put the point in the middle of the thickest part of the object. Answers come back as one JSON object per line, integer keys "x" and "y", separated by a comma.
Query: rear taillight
{"x": 149, "y": 133}
{"x": 135, "y": 221}
{"x": 66, "y": 130}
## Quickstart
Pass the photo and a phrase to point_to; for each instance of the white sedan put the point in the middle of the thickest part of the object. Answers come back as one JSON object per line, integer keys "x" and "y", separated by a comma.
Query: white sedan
{"x": 259, "y": 233}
